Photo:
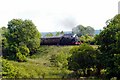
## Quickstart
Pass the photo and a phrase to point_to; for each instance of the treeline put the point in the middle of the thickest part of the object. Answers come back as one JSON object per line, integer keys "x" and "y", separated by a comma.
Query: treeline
{"x": 105, "y": 60}
{"x": 79, "y": 30}
{"x": 22, "y": 39}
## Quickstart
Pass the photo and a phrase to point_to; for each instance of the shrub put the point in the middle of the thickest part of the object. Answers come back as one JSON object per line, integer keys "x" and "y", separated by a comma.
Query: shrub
{"x": 20, "y": 57}
{"x": 87, "y": 39}
{"x": 59, "y": 60}
{"x": 23, "y": 51}
{"x": 8, "y": 70}
{"x": 83, "y": 58}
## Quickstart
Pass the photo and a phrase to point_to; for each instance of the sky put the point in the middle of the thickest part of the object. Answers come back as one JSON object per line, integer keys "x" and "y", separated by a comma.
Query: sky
{"x": 59, "y": 15}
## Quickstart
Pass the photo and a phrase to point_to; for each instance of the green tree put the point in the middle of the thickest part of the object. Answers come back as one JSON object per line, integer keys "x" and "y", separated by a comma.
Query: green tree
{"x": 49, "y": 34}
{"x": 109, "y": 40}
{"x": 89, "y": 30}
{"x": 87, "y": 39}
{"x": 21, "y": 33}
{"x": 3, "y": 41}
{"x": 83, "y": 58}
{"x": 8, "y": 70}
{"x": 81, "y": 30}
{"x": 59, "y": 33}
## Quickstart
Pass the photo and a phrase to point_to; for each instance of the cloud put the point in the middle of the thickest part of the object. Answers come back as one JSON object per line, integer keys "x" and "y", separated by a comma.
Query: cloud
{"x": 53, "y": 15}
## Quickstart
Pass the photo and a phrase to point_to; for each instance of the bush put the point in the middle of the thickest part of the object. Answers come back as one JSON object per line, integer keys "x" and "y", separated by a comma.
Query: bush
{"x": 24, "y": 50}
{"x": 83, "y": 58}
{"x": 8, "y": 70}
{"x": 20, "y": 57}
{"x": 22, "y": 53}
{"x": 87, "y": 39}
{"x": 59, "y": 60}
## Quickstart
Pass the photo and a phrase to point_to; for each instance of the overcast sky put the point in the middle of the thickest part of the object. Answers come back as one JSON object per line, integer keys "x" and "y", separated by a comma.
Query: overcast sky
{"x": 58, "y": 15}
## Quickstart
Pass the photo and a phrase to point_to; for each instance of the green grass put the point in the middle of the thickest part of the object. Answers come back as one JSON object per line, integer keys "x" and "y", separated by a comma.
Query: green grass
{"x": 95, "y": 46}
{"x": 39, "y": 66}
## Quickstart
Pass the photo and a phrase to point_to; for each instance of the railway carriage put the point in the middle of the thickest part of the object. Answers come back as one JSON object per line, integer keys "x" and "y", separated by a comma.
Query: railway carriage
{"x": 66, "y": 39}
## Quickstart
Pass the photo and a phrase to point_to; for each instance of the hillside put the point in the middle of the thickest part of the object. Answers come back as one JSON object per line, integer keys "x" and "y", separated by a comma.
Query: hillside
{"x": 39, "y": 65}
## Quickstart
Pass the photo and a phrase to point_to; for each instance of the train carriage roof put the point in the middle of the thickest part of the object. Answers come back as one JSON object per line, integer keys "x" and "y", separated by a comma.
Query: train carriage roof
{"x": 64, "y": 35}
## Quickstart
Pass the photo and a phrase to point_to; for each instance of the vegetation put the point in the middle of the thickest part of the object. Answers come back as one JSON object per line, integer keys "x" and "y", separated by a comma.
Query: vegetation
{"x": 81, "y": 30}
{"x": 109, "y": 40}
{"x": 87, "y": 39}
{"x": 8, "y": 70}
{"x": 83, "y": 59}
{"x": 21, "y": 42}
{"x": 21, "y": 39}
{"x": 40, "y": 65}
{"x": 49, "y": 35}
{"x": 57, "y": 34}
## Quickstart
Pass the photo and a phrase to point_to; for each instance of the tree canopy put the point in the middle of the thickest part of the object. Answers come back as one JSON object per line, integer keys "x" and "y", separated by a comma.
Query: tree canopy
{"x": 109, "y": 40}
{"x": 81, "y": 30}
{"x": 82, "y": 58}
{"x": 22, "y": 36}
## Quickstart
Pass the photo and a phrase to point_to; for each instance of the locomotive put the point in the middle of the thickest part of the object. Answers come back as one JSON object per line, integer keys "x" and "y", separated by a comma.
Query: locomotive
{"x": 65, "y": 39}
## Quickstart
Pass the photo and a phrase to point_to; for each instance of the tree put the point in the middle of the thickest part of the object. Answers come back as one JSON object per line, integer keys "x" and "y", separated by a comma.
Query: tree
{"x": 49, "y": 34}
{"x": 3, "y": 41}
{"x": 90, "y": 31}
{"x": 109, "y": 40}
{"x": 87, "y": 39}
{"x": 81, "y": 30}
{"x": 82, "y": 58}
{"x": 59, "y": 33}
{"x": 21, "y": 32}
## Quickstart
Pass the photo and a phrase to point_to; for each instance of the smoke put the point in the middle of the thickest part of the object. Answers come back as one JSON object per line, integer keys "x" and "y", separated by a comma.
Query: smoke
{"x": 68, "y": 23}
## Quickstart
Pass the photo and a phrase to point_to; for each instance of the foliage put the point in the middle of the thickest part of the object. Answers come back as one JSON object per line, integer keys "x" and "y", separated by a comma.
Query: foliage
{"x": 109, "y": 40}
{"x": 49, "y": 35}
{"x": 87, "y": 39}
{"x": 59, "y": 60}
{"x": 47, "y": 51}
{"x": 96, "y": 37}
{"x": 83, "y": 58}
{"x": 3, "y": 30}
{"x": 40, "y": 67}
{"x": 59, "y": 33}
{"x": 81, "y": 30}
{"x": 8, "y": 70}
{"x": 21, "y": 39}
{"x": 22, "y": 52}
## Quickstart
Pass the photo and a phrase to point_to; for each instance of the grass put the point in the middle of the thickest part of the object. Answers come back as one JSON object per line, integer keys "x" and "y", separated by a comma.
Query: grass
{"x": 39, "y": 66}
{"x": 95, "y": 46}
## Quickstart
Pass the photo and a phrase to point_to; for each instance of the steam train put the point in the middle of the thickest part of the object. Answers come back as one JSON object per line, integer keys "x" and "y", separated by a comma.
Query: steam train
{"x": 66, "y": 39}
